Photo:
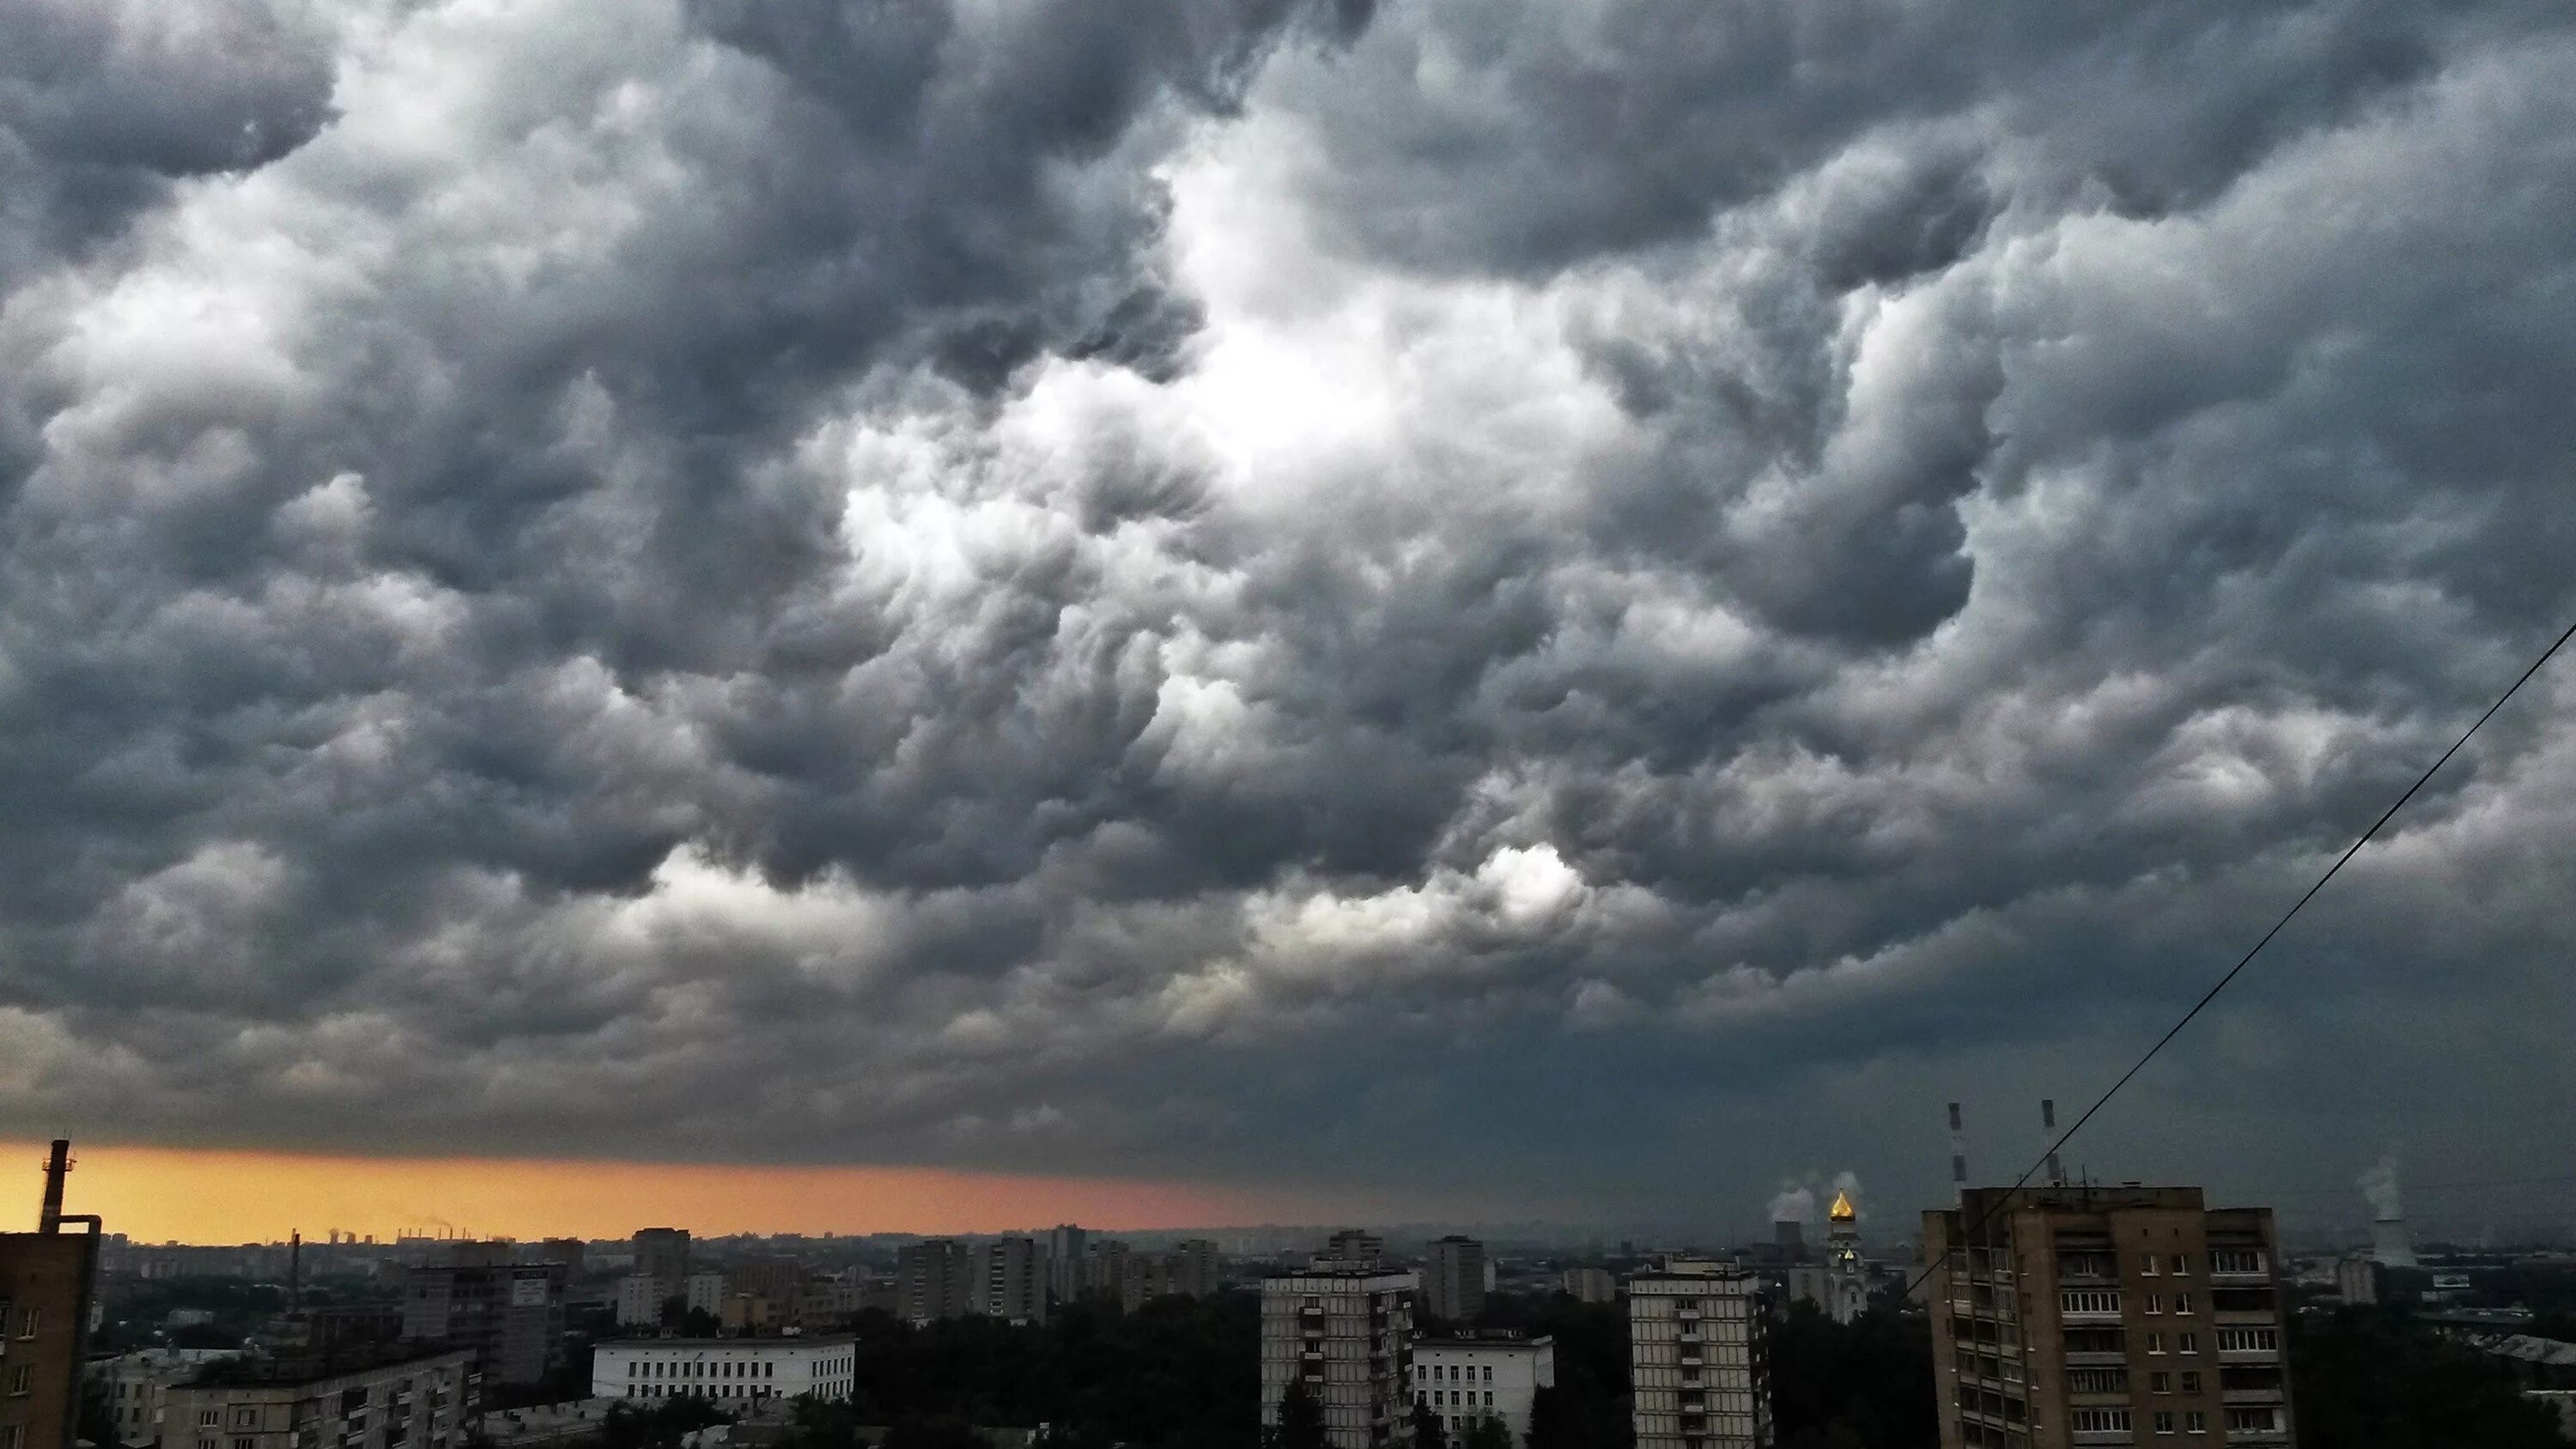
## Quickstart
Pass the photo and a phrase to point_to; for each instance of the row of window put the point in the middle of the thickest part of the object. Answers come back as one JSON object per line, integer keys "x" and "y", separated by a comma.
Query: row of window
{"x": 1432, "y": 1397}
{"x": 2107, "y": 1300}
{"x": 2106, "y": 1265}
{"x": 1430, "y": 1372}
{"x": 730, "y": 1368}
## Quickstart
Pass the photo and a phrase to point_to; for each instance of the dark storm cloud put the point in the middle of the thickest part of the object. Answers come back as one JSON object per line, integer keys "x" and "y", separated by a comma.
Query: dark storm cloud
{"x": 1064, "y": 585}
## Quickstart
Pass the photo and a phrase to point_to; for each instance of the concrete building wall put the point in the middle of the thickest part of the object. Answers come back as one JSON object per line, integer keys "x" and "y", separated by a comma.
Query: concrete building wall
{"x": 1466, "y": 1379}
{"x": 726, "y": 1370}
{"x": 1454, "y": 1279}
{"x": 44, "y": 1303}
{"x": 937, "y": 1279}
{"x": 425, "y": 1401}
{"x": 2105, "y": 1316}
{"x": 1346, "y": 1335}
{"x": 1699, "y": 1373}
{"x": 639, "y": 1301}
{"x": 1015, "y": 1280}
{"x": 1589, "y": 1285}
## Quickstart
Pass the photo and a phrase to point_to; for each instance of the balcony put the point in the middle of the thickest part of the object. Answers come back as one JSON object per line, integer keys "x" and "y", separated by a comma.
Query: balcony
{"x": 2272, "y": 1395}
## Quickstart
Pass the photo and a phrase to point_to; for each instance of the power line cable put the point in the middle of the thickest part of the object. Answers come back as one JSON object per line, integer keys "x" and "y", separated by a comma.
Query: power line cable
{"x": 2248, "y": 958}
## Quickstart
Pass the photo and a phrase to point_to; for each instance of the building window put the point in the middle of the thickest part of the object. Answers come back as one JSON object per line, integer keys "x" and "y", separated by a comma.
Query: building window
{"x": 2235, "y": 1260}
{"x": 28, "y": 1321}
{"x": 2147, "y": 1265}
{"x": 2088, "y": 1300}
{"x": 2155, "y": 1343}
{"x": 1489, "y": 1398}
{"x": 245, "y": 1444}
{"x": 2164, "y": 1423}
{"x": 2232, "y": 1340}
{"x": 2191, "y": 1381}
{"x": 2188, "y": 1343}
{"x": 2155, "y": 1303}
{"x": 1489, "y": 1373}
{"x": 22, "y": 1379}
{"x": 2255, "y": 1419}
{"x": 2101, "y": 1421}
{"x": 2195, "y": 1422}
{"x": 2182, "y": 1303}
{"x": 2181, "y": 1264}
{"x": 2160, "y": 1383}
{"x": 210, "y": 1416}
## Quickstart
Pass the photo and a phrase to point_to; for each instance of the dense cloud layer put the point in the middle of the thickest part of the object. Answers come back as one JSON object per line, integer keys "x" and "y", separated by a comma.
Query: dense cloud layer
{"x": 1588, "y": 605}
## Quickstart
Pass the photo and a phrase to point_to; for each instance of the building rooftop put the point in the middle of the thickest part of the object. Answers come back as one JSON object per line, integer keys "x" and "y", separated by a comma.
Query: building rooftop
{"x": 740, "y": 1340}
{"x": 291, "y": 1369}
{"x": 1484, "y": 1338}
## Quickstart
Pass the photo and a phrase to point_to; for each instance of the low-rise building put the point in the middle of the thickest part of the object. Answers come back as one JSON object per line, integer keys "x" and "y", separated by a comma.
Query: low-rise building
{"x": 724, "y": 1369}
{"x": 1491, "y": 1375}
{"x": 402, "y": 1399}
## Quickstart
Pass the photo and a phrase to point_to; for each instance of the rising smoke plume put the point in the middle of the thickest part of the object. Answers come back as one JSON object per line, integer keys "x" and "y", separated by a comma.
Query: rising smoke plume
{"x": 2380, "y": 1186}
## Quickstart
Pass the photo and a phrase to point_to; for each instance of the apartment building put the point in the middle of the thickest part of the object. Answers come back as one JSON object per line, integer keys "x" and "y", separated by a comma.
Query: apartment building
{"x": 1589, "y": 1285}
{"x": 510, "y": 1314}
{"x": 403, "y": 1398}
{"x": 1344, "y": 1331}
{"x": 2105, "y": 1316}
{"x": 936, "y": 1279}
{"x": 1698, "y": 1368}
{"x": 1014, "y": 1275}
{"x": 46, "y": 1278}
{"x": 731, "y": 1371}
{"x": 1453, "y": 1279}
{"x": 136, "y": 1384}
{"x": 1491, "y": 1375}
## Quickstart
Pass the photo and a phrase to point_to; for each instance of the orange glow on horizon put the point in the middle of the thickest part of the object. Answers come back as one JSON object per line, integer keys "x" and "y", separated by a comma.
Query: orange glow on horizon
{"x": 210, "y": 1195}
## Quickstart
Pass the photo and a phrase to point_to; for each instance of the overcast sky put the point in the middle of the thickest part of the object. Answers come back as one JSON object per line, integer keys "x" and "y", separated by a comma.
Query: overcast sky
{"x": 1576, "y": 606}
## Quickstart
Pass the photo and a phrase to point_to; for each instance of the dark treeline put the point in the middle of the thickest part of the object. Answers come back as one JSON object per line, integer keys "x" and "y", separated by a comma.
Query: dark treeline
{"x": 2376, "y": 1379}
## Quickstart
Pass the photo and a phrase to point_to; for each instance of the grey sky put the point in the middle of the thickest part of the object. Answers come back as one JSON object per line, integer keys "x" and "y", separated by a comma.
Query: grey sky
{"x": 1588, "y": 606}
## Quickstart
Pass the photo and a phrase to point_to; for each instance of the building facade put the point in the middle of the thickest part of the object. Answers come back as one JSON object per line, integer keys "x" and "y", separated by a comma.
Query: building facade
{"x": 639, "y": 1301}
{"x": 937, "y": 1279}
{"x": 47, "y": 1279}
{"x": 1589, "y": 1285}
{"x": 1015, "y": 1280}
{"x": 405, "y": 1399}
{"x": 2106, "y": 1316}
{"x": 703, "y": 1293}
{"x": 1453, "y": 1279}
{"x": 730, "y": 1371}
{"x": 136, "y": 1386}
{"x": 1067, "y": 1246}
{"x": 1466, "y": 1377}
{"x": 1197, "y": 1268}
{"x": 662, "y": 1254}
{"x": 1698, "y": 1368}
{"x": 1345, "y": 1333}
{"x": 510, "y": 1314}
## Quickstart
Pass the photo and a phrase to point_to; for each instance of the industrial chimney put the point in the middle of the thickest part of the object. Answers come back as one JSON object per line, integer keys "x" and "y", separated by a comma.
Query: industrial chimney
{"x": 2389, "y": 1245}
{"x": 58, "y": 1165}
{"x": 1958, "y": 1157}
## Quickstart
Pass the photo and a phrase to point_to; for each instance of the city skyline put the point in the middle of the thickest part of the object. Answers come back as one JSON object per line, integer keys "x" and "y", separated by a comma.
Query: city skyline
{"x": 1284, "y": 602}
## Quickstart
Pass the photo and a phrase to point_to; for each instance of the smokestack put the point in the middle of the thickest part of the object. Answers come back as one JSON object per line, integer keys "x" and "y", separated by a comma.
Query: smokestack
{"x": 295, "y": 1271}
{"x": 1958, "y": 1157}
{"x": 57, "y": 1167}
{"x": 2048, "y": 1129}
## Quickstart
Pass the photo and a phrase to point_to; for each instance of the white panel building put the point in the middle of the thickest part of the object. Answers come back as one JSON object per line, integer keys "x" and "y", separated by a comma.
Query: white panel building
{"x": 1482, "y": 1376}
{"x": 724, "y": 1368}
{"x": 1696, "y": 1360}
{"x": 639, "y": 1301}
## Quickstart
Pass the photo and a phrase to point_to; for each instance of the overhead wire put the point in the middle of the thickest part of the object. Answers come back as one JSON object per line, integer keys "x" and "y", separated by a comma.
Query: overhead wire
{"x": 1996, "y": 1201}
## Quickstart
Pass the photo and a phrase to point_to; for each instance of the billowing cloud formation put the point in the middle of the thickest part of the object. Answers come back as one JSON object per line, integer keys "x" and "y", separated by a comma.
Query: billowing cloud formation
{"x": 1484, "y": 594}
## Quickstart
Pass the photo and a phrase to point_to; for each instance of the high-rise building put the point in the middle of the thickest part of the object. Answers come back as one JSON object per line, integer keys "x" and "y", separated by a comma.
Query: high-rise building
{"x": 936, "y": 1279}
{"x": 1067, "y": 1246}
{"x": 1014, "y": 1280}
{"x": 573, "y": 1253}
{"x": 703, "y": 1292}
{"x": 639, "y": 1300}
{"x": 46, "y": 1281}
{"x": 662, "y": 1254}
{"x": 1354, "y": 1245}
{"x": 510, "y": 1314}
{"x": 1453, "y": 1280}
{"x": 2129, "y": 1315}
{"x": 1196, "y": 1267}
{"x": 1698, "y": 1369}
{"x": 1496, "y": 1374}
{"x": 1344, "y": 1333}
